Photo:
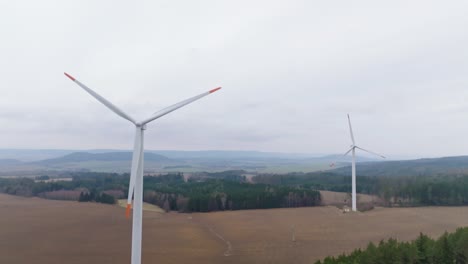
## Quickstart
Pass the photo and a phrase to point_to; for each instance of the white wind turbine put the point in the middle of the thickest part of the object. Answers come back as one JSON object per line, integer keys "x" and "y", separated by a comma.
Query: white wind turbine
{"x": 136, "y": 175}
{"x": 353, "y": 169}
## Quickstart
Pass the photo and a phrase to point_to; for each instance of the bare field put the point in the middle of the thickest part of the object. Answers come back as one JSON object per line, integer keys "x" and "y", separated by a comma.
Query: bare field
{"x": 40, "y": 231}
{"x": 33, "y": 230}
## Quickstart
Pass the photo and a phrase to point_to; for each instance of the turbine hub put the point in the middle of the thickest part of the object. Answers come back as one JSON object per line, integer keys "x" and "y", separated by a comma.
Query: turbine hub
{"x": 141, "y": 126}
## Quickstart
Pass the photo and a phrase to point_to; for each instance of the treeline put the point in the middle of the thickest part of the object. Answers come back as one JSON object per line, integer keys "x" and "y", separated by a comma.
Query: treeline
{"x": 97, "y": 197}
{"x": 204, "y": 193}
{"x": 424, "y": 190}
{"x": 229, "y": 190}
{"x": 321, "y": 181}
{"x": 84, "y": 187}
{"x": 448, "y": 249}
{"x": 216, "y": 195}
{"x": 230, "y": 175}
{"x": 395, "y": 191}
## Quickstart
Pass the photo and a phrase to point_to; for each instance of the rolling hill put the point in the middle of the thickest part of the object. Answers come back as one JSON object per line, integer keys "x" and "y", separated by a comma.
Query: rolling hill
{"x": 15, "y": 161}
{"x": 105, "y": 157}
{"x": 435, "y": 166}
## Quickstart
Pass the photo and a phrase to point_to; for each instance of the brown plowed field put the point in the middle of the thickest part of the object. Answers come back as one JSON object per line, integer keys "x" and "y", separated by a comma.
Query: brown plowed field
{"x": 44, "y": 231}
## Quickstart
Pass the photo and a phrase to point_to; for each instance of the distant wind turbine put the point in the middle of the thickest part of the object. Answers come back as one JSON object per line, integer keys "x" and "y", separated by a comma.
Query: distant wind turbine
{"x": 136, "y": 175}
{"x": 353, "y": 150}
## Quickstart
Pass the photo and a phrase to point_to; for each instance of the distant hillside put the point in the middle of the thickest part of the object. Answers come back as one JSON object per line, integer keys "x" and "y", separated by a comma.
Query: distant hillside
{"x": 27, "y": 155}
{"x": 161, "y": 161}
{"x": 215, "y": 161}
{"x": 9, "y": 162}
{"x": 41, "y": 154}
{"x": 111, "y": 156}
{"x": 100, "y": 162}
{"x": 228, "y": 154}
{"x": 435, "y": 166}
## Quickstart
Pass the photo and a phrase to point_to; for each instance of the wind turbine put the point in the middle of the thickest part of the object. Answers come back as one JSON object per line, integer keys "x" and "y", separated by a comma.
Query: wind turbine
{"x": 136, "y": 174}
{"x": 353, "y": 167}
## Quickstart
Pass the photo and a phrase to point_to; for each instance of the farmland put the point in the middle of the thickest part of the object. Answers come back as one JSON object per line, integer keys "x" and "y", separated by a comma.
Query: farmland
{"x": 34, "y": 230}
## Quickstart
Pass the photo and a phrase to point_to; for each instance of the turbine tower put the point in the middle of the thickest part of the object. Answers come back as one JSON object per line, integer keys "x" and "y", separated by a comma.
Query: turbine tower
{"x": 136, "y": 174}
{"x": 353, "y": 167}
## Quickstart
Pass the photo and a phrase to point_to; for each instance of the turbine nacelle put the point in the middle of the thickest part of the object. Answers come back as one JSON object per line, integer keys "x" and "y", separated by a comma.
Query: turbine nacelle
{"x": 141, "y": 126}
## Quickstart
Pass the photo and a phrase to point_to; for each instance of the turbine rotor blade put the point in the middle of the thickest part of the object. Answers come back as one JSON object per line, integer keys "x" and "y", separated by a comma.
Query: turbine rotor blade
{"x": 351, "y": 130}
{"x": 133, "y": 173}
{"x": 371, "y": 152}
{"x": 103, "y": 100}
{"x": 346, "y": 153}
{"x": 174, "y": 107}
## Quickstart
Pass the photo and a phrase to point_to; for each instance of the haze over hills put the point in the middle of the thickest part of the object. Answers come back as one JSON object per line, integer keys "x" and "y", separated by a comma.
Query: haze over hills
{"x": 32, "y": 154}
{"x": 110, "y": 156}
{"x": 214, "y": 160}
{"x": 432, "y": 166}
{"x": 41, "y": 154}
{"x": 163, "y": 161}
{"x": 85, "y": 161}
{"x": 9, "y": 162}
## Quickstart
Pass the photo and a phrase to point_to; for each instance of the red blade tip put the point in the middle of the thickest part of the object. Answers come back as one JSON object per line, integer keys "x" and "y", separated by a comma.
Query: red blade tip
{"x": 215, "y": 89}
{"x": 69, "y": 76}
{"x": 127, "y": 211}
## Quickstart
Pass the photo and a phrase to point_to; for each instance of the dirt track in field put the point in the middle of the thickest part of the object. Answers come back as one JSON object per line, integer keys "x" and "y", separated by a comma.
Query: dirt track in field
{"x": 40, "y": 231}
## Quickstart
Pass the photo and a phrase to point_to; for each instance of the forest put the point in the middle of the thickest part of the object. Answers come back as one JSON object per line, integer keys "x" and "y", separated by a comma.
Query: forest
{"x": 215, "y": 192}
{"x": 220, "y": 194}
{"x": 447, "y": 249}
{"x": 421, "y": 190}
{"x": 229, "y": 190}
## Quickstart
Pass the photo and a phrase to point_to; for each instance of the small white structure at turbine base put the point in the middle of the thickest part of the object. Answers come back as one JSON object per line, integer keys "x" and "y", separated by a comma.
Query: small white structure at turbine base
{"x": 135, "y": 189}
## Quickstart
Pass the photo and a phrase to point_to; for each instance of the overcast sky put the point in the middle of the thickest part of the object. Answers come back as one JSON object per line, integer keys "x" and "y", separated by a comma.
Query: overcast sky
{"x": 290, "y": 72}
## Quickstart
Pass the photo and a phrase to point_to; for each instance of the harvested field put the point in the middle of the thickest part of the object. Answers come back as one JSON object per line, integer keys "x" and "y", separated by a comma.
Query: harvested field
{"x": 40, "y": 231}
{"x": 34, "y": 230}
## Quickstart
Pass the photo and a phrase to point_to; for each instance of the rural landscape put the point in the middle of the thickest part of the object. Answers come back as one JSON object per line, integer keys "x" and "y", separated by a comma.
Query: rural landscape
{"x": 96, "y": 233}
{"x": 233, "y": 132}
{"x": 234, "y": 216}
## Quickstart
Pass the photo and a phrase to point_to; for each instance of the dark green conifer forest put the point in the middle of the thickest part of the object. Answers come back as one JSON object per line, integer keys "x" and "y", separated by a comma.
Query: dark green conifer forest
{"x": 447, "y": 249}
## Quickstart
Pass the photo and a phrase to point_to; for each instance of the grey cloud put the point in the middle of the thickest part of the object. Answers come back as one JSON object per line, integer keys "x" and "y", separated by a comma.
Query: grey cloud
{"x": 290, "y": 71}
